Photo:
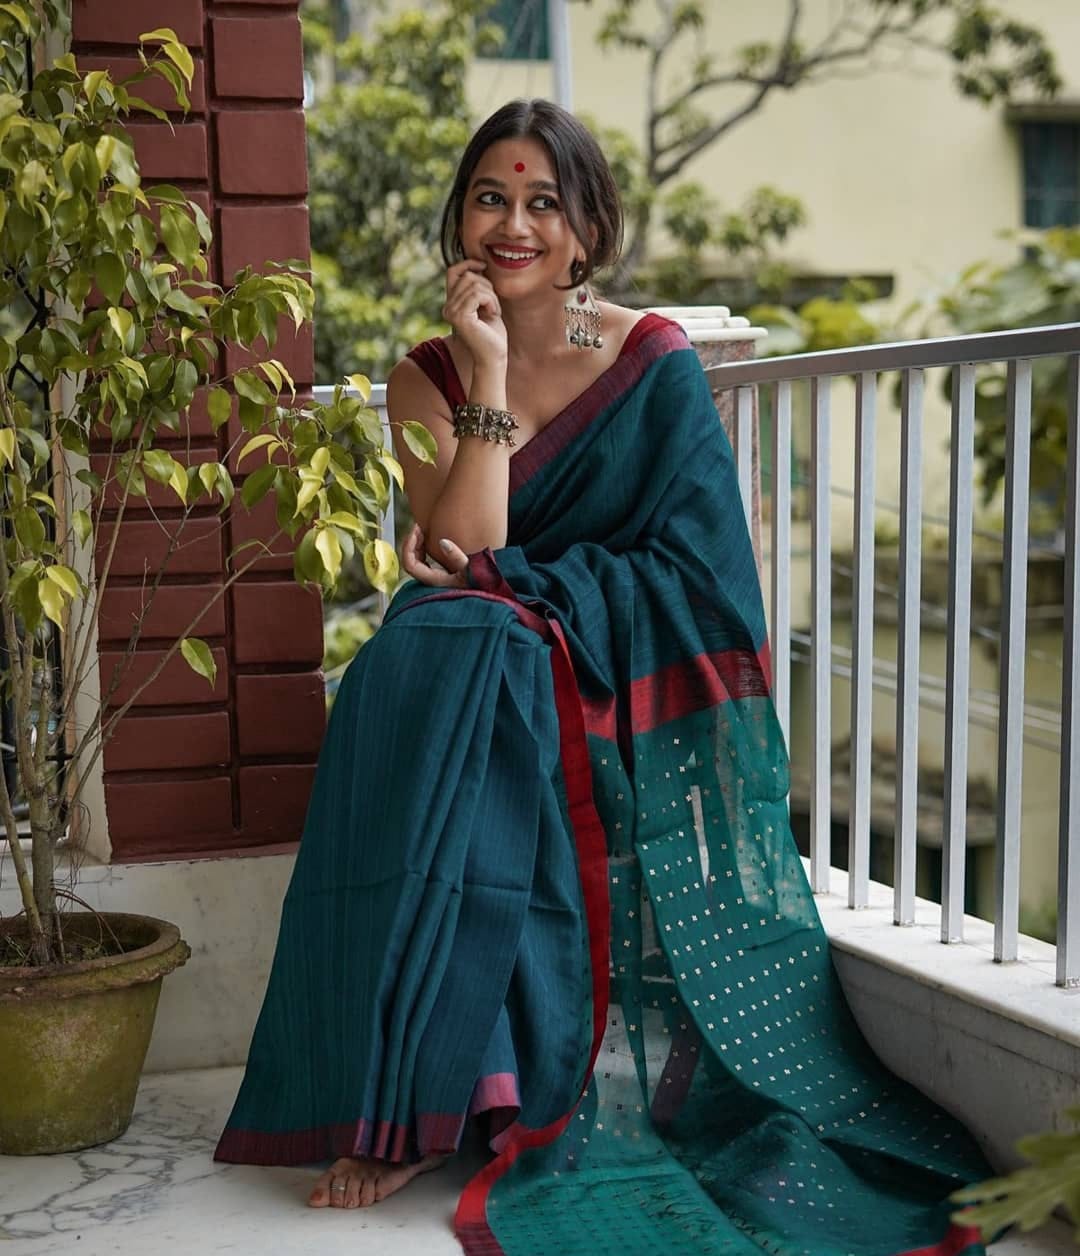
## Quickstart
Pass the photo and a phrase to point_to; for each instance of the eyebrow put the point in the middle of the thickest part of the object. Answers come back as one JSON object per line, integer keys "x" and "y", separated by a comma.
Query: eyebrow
{"x": 541, "y": 185}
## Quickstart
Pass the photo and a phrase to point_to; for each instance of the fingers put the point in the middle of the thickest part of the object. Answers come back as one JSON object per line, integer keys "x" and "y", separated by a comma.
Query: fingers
{"x": 413, "y": 552}
{"x": 470, "y": 293}
{"x": 454, "y": 559}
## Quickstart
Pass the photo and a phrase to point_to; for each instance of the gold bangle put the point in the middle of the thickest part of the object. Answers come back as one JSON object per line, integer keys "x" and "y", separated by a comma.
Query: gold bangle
{"x": 474, "y": 419}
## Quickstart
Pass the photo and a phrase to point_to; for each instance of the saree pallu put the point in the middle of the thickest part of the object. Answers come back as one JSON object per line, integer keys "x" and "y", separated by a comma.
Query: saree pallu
{"x": 547, "y": 879}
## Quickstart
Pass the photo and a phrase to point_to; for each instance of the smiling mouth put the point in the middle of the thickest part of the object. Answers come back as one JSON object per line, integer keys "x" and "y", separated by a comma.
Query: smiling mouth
{"x": 512, "y": 257}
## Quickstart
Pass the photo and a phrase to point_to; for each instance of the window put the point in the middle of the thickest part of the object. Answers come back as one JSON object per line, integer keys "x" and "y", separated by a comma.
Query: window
{"x": 525, "y": 25}
{"x": 1051, "y": 154}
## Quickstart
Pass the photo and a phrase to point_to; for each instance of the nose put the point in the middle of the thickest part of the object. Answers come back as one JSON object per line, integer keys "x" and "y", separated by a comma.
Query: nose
{"x": 516, "y": 219}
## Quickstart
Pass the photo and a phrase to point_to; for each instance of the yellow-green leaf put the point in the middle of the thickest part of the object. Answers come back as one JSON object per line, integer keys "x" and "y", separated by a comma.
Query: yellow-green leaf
{"x": 309, "y": 490}
{"x": 320, "y": 460}
{"x": 81, "y": 522}
{"x": 362, "y": 385}
{"x": 178, "y": 482}
{"x": 65, "y": 578}
{"x": 7, "y": 444}
{"x": 394, "y": 467}
{"x": 419, "y": 441}
{"x": 199, "y": 658}
{"x": 104, "y": 150}
{"x": 329, "y": 547}
{"x": 258, "y": 442}
{"x": 52, "y": 601}
{"x": 91, "y": 86}
{"x": 380, "y": 565}
{"x": 121, "y": 321}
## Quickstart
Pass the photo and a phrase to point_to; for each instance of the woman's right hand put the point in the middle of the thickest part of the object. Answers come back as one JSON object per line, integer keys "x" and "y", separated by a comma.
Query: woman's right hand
{"x": 472, "y": 309}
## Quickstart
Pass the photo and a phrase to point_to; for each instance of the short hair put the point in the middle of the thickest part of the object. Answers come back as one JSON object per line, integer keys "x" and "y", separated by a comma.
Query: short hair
{"x": 589, "y": 194}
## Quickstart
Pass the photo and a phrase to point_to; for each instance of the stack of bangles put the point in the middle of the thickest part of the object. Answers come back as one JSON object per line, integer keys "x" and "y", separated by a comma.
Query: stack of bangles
{"x": 473, "y": 419}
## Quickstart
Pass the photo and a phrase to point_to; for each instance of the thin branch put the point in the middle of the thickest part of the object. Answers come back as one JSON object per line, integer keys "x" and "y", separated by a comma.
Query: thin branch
{"x": 106, "y": 728}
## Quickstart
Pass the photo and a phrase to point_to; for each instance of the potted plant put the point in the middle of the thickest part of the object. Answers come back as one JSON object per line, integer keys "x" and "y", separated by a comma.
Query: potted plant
{"x": 109, "y": 329}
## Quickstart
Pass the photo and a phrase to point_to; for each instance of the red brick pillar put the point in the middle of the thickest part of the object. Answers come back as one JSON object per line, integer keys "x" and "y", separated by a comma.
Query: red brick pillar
{"x": 193, "y": 770}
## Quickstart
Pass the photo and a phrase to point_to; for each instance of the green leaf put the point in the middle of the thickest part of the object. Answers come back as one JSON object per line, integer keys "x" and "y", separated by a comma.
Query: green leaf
{"x": 179, "y": 235}
{"x": 199, "y": 658}
{"x": 30, "y": 182}
{"x": 109, "y": 277}
{"x": 83, "y": 527}
{"x": 307, "y": 561}
{"x": 177, "y": 299}
{"x": 248, "y": 385}
{"x": 29, "y": 529}
{"x": 52, "y": 601}
{"x": 65, "y": 578}
{"x": 329, "y": 547}
{"x": 7, "y": 445}
{"x": 19, "y": 13}
{"x": 28, "y": 604}
{"x": 185, "y": 379}
{"x": 380, "y": 565}
{"x": 420, "y": 442}
{"x": 158, "y": 465}
{"x": 257, "y": 485}
{"x": 218, "y": 406}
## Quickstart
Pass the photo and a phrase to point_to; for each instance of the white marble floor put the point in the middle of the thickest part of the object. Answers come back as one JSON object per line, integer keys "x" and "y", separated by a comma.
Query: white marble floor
{"x": 157, "y": 1190}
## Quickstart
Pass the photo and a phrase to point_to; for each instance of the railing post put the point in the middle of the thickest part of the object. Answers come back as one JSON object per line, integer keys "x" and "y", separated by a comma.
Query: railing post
{"x": 1068, "y": 928}
{"x": 821, "y": 637}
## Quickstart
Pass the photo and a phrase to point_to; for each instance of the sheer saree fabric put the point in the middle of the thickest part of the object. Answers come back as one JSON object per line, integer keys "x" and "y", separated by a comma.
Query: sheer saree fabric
{"x": 547, "y": 878}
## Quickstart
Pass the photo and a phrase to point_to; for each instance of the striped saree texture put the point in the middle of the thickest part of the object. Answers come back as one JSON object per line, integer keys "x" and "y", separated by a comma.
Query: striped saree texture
{"x": 547, "y": 879}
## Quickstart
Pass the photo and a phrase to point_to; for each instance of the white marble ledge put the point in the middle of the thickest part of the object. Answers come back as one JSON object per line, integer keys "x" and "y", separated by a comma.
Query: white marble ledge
{"x": 157, "y": 1189}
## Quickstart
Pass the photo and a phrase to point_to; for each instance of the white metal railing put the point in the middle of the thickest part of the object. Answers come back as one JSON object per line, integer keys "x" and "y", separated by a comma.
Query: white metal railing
{"x": 964, "y": 354}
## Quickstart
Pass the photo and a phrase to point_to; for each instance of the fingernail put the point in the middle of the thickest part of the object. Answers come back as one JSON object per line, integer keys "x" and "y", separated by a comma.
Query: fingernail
{"x": 447, "y": 545}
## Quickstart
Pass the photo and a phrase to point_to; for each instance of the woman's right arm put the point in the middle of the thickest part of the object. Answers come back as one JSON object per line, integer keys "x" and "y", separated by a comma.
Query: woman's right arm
{"x": 465, "y": 498}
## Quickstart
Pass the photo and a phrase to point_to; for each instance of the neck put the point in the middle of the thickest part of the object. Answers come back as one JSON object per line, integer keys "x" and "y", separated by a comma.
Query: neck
{"x": 536, "y": 328}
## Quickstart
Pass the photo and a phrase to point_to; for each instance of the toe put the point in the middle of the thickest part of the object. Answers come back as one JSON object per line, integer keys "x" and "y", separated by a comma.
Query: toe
{"x": 351, "y": 1198}
{"x": 367, "y": 1190}
{"x": 320, "y": 1192}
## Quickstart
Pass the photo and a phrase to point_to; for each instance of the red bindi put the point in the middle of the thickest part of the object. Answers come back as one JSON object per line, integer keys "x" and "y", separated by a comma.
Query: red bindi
{"x": 519, "y": 166}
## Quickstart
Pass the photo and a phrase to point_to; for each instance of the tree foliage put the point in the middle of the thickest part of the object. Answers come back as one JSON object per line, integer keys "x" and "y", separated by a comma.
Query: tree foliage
{"x": 1041, "y": 288}
{"x": 1028, "y": 1196}
{"x": 992, "y": 57}
{"x": 122, "y": 333}
{"x": 384, "y": 139}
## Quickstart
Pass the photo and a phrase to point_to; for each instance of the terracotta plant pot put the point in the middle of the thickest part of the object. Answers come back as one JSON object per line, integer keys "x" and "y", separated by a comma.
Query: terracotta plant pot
{"x": 73, "y": 1037}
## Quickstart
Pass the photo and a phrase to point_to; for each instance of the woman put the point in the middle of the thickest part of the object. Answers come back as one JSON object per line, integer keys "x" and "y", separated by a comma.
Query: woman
{"x": 547, "y": 878}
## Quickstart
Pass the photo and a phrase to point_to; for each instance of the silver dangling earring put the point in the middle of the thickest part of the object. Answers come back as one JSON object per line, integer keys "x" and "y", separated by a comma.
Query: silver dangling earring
{"x": 582, "y": 316}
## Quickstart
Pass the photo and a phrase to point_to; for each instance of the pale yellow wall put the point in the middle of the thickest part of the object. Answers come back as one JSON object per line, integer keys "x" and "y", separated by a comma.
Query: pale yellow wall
{"x": 898, "y": 172}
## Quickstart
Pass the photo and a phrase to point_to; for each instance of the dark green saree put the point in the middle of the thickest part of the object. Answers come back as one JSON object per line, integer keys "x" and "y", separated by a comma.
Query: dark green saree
{"x": 547, "y": 880}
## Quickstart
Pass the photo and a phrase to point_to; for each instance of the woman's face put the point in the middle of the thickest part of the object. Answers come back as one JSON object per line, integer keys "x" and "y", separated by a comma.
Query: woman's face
{"x": 512, "y": 218}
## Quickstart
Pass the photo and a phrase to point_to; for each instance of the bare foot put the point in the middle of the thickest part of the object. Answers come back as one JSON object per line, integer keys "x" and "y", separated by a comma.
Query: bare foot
{"x": 365, "y": 1182}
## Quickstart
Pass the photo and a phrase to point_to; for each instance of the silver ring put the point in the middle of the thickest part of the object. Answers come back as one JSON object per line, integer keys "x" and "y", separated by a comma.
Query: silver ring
{"x": 338, "y": 1186}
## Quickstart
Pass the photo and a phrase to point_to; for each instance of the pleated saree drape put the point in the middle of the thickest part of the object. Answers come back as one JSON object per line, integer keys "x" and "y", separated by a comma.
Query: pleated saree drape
{"x": 547, "y": 879}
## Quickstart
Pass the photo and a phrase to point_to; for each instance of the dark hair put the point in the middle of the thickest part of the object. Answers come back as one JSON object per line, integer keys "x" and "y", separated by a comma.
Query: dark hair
{"x": 587, "y": 186}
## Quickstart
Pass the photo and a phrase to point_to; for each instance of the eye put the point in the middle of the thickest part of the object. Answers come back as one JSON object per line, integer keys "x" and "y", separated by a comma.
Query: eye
{"x": 546, "y": 202}
{"x": 483, "y": 198}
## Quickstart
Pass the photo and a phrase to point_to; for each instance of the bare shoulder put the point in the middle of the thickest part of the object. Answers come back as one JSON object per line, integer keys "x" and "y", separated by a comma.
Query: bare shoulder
{"x": 408, "y": 388}
{"x": 618, "y": 321}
